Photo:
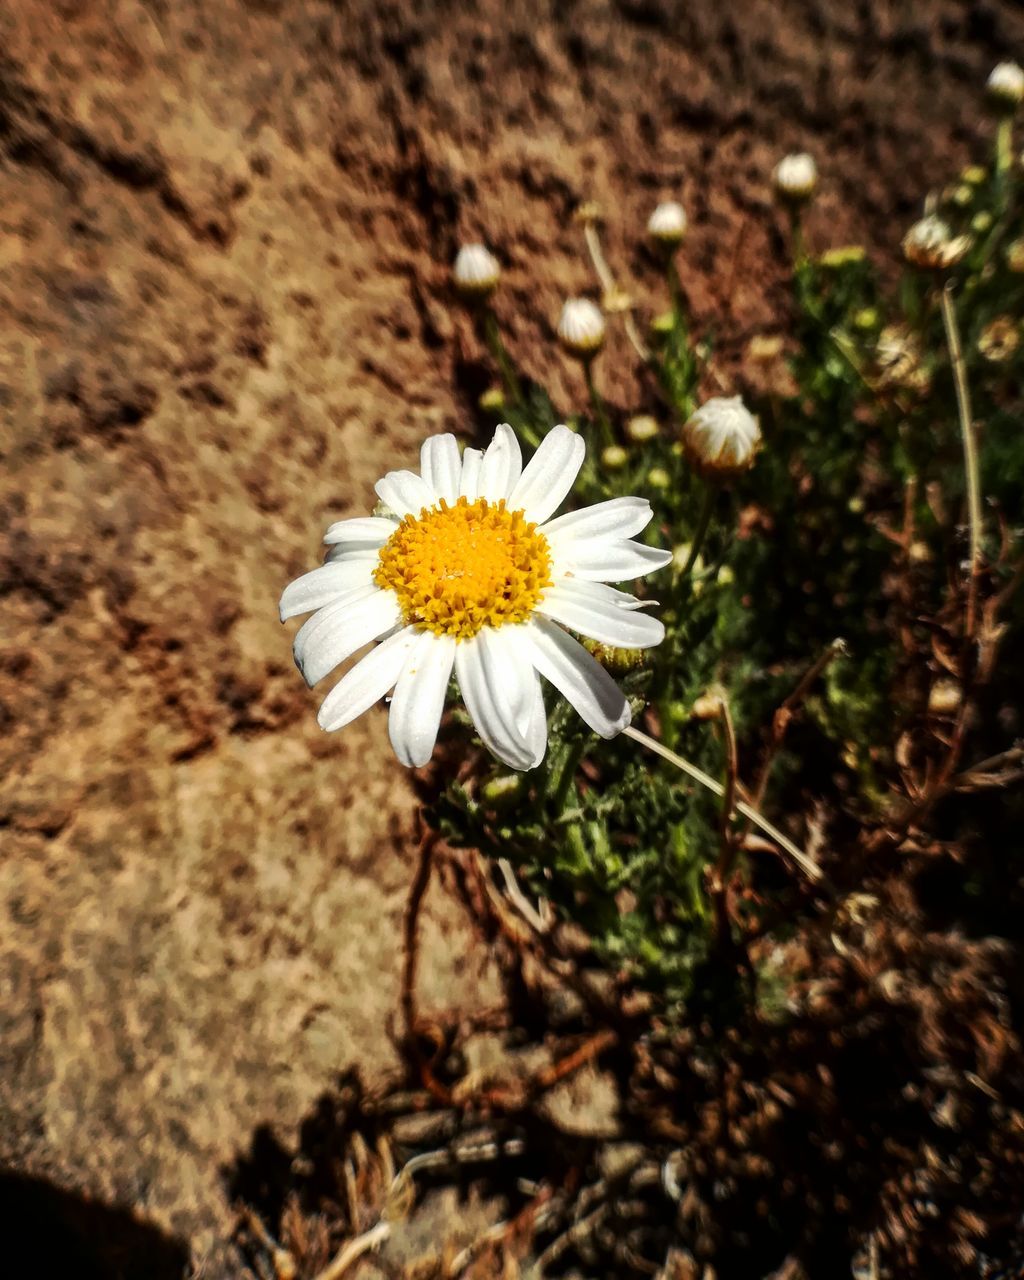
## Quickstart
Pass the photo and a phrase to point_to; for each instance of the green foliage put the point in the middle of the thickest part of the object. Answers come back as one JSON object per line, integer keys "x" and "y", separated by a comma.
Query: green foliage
{"x": 849, "y": 525}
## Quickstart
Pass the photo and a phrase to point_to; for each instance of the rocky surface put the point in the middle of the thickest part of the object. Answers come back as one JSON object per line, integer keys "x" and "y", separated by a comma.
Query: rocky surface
{"x": 224, "y": 238}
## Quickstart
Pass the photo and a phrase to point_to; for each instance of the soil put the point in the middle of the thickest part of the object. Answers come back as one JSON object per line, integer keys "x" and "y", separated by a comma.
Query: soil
{"x": 225, "y": 235}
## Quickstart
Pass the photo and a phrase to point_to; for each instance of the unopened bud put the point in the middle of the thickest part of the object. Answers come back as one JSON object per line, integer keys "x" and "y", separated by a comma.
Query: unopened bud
{"x": 795, "y": 177}
{"x": 492, "y": 400}
{"x": 722, "y": 438}
{"x": 476, "y": 272}
{"x": 642, "y": 428}
{"x": 1005, "y": 86}
{"x": 667, "y": 224}
{"x": 658, "y": 478}
{"x": 503, "y": 792}
{"x": 930, "y": 244}
{"x": 707, "y": 707}
{"x": 581, "y": 328}
{"x": 614, "y": 457}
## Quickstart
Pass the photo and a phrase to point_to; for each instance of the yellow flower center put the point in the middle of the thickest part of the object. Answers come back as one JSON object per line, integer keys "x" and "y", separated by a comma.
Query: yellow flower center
{"x": 458, "y": 569}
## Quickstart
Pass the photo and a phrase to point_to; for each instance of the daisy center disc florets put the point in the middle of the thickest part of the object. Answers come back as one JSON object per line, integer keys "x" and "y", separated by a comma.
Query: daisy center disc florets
{"x": 456, "y": 569}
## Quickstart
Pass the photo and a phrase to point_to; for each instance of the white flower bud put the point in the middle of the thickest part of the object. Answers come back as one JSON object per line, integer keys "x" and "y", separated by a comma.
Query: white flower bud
{"x": 667, "y": 224}
{"x": 796, "y": 176}
{"x": 581, "y": 328}
{"x": 722, "y": 438}
{"x": 476, "y": 272}
{"x": 930, "y": 243}
{"x": 1006, "y": 85}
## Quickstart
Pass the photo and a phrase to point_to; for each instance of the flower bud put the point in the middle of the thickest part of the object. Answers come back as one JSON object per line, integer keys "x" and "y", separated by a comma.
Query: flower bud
{"x": 476, "y": 272}
{"x": 722, "y": 438}
{"x": 616, "y": 661}
{"x": 614, "y": 457}
{"x": 707, "y": 707}
{"x": 1015, "y": 256}
{"x": 929, "y": 243}
{"x": 581, "y": 328}
{"x": 641, "y": 428}
{"x": 1005, "y": 86}
{"x": 999, "y": 339}
{"x": 974, "y": 175}
{"x": 492, "y": 400}
{"x": 795, "y": 177}
{"x": 667, "y": 224}
{"x": 503, "y": 791}
{"x": 658, "y": 478}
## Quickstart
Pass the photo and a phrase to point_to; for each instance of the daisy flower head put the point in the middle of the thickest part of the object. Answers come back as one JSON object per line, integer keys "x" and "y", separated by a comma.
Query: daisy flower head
{"x": 468, "y": 573}
{"x": 795, "y": 176}
{"x": 476, "y": 272}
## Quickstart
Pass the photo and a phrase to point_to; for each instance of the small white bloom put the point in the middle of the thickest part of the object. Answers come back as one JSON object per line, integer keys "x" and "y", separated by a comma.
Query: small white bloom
{"x": 1006, "y": 84}
{"x": 930, "y": 243}
{"x": 667, "y": 224}
{"x": 722, "y": 438}
{"x": 581, "y": 328}
{"x": 796, "y": 176}
{"x": 470, "y": 574}
{"x": 476, "y": 271}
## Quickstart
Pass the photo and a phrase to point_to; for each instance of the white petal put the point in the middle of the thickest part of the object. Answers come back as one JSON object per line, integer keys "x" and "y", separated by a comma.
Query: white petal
{"x": 551, "y": 473}
{"x": 602, "y": 619}
{"x": 368, "y": 681}
{"x": 579, "y": 678}
{"x": 352, "y": 553}
{"x": 419, "y": 698}
{"x": 485, "y": 691}
{"x": 537, "y": 726}
{"x": 324, "y": 585}
{"x": 502, "y": 464}
{"x": 335, "y": 632}
{"x": 405, "y": 493}
{"x": 597, "y": 591}
{"x": 368, "y": 531}
{"x": 471, "y": 464}
{"x": 616, "y": 518}
{"x": 610, "y": 561}
{"x": 440, "y": 466}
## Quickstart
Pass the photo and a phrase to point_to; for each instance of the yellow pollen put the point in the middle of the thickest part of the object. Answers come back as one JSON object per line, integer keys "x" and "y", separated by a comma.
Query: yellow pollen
{"x": 460, "y": 568}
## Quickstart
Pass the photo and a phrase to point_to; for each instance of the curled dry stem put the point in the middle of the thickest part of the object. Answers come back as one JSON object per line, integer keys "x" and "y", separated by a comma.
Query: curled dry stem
{"x": 610, "y": 289}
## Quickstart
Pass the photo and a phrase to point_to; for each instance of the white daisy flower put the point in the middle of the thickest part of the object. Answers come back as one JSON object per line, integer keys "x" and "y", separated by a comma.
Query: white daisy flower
{"x": 796, "y": 176}
{"x": 476, "y": 271}
{"x": 469, "y": 573}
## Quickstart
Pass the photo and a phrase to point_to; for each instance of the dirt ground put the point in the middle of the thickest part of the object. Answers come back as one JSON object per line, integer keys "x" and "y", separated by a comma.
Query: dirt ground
{"x": 225, "y": 232}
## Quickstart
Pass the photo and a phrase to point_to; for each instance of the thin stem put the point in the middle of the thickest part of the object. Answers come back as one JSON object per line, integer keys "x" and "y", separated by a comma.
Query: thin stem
{"x": 810, "y": 869}
{"x": 675, "y": 289}
{"x": 971, "y": 467}
{"x": 703, "y": 522}
{"x": 497, "y": 348}
{"x": 1004, "y": 148}
{"x": 597, "y": 404}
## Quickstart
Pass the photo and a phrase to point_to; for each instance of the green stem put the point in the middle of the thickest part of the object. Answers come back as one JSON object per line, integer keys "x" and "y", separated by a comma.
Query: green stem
{"x": 971, "y": 466}
{"x": 1004, "y": 147}
{"x": 598, "y": 404}
{"x": 699, "y": 534}
{"x": 497, "y": 349}
{"x": 675, "y": 289}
